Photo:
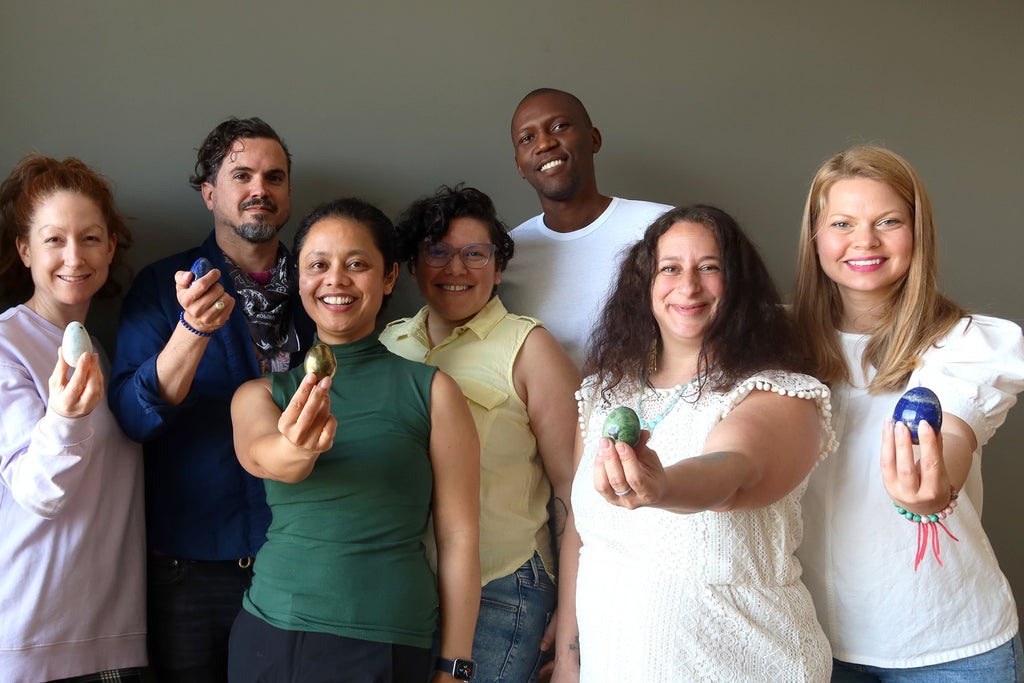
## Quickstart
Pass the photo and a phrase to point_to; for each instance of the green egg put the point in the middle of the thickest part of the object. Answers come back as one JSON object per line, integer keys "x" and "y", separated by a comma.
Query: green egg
{"x": 622, "y": 424}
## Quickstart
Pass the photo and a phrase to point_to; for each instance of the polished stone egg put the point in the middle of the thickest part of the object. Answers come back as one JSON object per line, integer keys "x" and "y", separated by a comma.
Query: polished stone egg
{"x": 76, "y": 341}
{"x": 622, "y": 424}
{"x": 201, "y": 267}
{"x": 320, "y": 361}
{"x": 917, "y": 404}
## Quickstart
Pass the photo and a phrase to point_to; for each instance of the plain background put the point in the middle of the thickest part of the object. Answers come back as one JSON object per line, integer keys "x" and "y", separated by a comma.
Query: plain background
{"x": 731, "y": 102}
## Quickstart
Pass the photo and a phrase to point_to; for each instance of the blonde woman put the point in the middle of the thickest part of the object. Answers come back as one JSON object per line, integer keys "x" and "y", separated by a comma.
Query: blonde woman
{"x": 866, "y": 297}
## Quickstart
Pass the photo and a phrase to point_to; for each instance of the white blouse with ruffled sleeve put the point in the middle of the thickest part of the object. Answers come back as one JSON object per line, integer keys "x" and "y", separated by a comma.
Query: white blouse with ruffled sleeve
{"x": 663, "y": 596}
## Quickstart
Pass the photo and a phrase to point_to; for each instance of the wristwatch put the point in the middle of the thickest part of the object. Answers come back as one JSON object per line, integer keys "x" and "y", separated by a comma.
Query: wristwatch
{"x": 460, "y": 669}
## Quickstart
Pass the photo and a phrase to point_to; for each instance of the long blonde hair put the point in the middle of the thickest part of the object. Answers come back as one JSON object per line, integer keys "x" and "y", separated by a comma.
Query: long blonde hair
{"x": 916, "y": 315}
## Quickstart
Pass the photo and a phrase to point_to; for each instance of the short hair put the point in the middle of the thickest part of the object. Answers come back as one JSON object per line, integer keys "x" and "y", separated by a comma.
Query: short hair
{"x": 382, "y": 230}
{"x": 749, "y": 331}
{"x": 429, "y": 218}
{"x": 556, "y": 91}
{"x": 33, "y": 180}
{"x": 917, "y": 316}
{"x": 218, "y": 143}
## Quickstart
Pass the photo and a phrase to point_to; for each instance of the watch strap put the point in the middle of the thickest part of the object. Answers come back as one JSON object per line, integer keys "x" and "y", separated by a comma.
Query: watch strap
{"x": 458, "y": 668}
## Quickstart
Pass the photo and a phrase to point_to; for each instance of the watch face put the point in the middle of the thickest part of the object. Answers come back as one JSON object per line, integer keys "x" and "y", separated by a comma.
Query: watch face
{"x": 464, "y": 669}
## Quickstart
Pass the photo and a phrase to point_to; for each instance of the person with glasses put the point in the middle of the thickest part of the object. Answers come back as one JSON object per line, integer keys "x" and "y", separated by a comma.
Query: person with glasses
{"x": 519, "y": 384}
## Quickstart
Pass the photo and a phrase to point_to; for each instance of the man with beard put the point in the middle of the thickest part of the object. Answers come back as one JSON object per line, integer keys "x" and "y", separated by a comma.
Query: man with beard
{"x": 186, "y": 341}
{"x": 566, "y": 256}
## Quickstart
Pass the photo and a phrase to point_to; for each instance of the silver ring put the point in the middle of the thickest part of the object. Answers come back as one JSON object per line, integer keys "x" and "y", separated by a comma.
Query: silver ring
{"x": 624, "y": 493}
{"x": 219, "y": 305}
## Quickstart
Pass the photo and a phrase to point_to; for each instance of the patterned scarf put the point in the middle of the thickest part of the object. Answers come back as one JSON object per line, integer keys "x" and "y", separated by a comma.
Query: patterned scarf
{"x": 267, "y": 310}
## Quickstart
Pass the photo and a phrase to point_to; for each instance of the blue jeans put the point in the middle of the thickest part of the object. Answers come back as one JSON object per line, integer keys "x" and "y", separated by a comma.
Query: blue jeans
{"x": 192, "y": 606}
{"x": 1004, "y": 664}
{"x": 514, "y": 612}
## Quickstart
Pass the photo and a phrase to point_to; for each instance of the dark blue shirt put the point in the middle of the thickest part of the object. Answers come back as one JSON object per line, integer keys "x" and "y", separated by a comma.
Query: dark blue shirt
{"x": 200, "y": 503}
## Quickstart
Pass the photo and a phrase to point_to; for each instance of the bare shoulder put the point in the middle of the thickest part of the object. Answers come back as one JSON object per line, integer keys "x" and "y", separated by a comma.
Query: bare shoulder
{"x": 252, "y": 390}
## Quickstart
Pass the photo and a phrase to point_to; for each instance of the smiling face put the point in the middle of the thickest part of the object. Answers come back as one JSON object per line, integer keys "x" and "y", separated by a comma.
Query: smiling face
{"x": 455, "y": 293}
{"x": 688, "y": 284}
{"x": 251, "y": 199}
{"x": 342, "y": 279}
{"x": 554, "y": 143}
{"x": 864, "y": 241}
{"x": 69, "y": 250}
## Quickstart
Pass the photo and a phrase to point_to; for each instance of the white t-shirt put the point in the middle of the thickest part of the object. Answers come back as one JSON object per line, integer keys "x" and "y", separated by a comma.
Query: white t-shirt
{"x": 563, "y": 278}
{"x": 858, "y": 552}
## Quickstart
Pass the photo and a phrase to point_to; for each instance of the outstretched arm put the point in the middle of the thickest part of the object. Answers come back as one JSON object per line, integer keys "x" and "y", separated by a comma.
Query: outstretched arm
{"x": 756, "y": 455}
{"x": 282, "y": 446}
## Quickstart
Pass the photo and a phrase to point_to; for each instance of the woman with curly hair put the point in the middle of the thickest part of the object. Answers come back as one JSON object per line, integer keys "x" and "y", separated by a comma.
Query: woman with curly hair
{"x": 519, "y": 384}
{"x": 686, "y": 566}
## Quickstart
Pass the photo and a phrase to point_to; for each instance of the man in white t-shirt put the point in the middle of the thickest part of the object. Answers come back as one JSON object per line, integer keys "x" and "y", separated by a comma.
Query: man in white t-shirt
{"x": 567, "y": 257}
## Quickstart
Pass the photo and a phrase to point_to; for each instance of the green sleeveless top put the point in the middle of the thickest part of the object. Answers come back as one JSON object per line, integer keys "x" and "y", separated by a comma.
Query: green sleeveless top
{"x": 344, "y": 552}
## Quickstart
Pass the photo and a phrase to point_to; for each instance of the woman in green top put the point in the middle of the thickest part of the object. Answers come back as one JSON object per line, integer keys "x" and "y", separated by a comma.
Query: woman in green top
{"x": 353, "y": 469}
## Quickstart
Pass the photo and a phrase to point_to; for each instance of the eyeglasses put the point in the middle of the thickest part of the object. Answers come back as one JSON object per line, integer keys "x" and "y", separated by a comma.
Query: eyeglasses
{"x": 439, "y": 254}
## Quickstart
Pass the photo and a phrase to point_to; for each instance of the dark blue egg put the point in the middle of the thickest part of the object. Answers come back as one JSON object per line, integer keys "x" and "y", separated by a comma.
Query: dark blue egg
{"x": 919, "y": 403}
{"x": 201, "y": 267}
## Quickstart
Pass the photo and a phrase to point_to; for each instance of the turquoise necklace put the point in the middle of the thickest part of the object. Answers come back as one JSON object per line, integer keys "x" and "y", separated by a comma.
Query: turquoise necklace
{"x": 649, "y": 425}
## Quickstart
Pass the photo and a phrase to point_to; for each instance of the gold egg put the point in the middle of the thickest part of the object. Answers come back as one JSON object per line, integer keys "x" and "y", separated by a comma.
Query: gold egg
{"x": 320, "y": 361}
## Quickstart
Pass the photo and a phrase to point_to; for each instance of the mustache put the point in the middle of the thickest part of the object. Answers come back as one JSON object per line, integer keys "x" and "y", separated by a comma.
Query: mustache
{"x": 258, "y": 201}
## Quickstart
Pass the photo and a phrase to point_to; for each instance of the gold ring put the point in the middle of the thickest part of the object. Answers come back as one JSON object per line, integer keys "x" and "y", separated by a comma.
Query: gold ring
{"x": 219, "y": 305}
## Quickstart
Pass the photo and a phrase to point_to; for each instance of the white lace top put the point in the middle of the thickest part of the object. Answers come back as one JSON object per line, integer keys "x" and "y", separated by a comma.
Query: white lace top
{"x": 711, "y": 596}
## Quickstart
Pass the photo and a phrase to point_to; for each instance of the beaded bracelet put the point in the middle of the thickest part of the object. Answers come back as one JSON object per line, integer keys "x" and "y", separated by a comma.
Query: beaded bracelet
{"x": 935, "y": 516}
{"x": 181, "y": 318}
{"x": 926, "y": 526}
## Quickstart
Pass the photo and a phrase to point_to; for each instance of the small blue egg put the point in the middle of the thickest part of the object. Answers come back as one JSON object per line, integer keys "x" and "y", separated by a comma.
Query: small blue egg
{"x": 76, "y": 341}
{"x": 201, "y": 267}
{"x": 919, "y": 403}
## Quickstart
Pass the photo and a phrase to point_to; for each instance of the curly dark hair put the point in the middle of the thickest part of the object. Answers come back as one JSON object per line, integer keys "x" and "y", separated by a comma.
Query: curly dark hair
{"x": 750, "y": 330}
{"x": 218, "y": 143}
{"x": 32, "y": 181}
{"x": 427, "y": 220}
{"x": 380, "y": 226}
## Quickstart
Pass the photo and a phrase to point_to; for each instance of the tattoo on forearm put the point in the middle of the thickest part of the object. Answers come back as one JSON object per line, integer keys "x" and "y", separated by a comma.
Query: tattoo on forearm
{"x": 574, "y": 647}
{"x": 558, "y": 511}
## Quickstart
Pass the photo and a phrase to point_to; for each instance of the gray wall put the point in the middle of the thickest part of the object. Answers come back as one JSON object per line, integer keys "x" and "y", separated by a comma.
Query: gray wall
{"x": 731, "y": 102}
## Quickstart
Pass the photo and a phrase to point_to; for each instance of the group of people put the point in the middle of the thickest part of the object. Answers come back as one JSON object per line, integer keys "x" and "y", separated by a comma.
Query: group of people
{"x": 446, "y": 505}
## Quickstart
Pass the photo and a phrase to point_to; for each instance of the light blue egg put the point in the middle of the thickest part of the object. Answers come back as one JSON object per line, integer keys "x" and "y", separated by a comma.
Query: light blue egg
{"x": 76, "y": 342}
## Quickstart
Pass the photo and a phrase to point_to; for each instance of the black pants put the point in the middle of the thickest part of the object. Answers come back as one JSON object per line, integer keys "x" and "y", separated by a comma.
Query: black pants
{"x": 192, "y": 606}
{"x": 261, "y": 653}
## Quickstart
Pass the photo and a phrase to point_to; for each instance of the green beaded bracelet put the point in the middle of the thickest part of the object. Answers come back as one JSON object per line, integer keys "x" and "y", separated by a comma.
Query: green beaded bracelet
{"x": 935, "y": 516}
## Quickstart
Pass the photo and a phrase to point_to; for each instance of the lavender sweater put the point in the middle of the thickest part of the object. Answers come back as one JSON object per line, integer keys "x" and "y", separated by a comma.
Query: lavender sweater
{"x": 72, "y": 545}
